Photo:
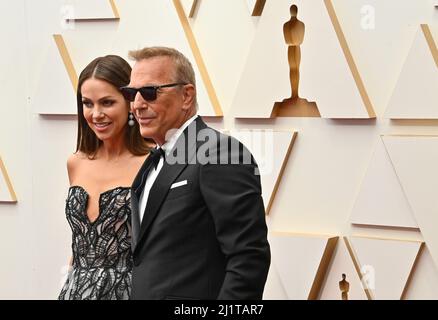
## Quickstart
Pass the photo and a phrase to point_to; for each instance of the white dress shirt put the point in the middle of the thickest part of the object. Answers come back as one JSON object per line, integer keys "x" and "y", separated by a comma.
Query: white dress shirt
{"x": 153, "y": 173}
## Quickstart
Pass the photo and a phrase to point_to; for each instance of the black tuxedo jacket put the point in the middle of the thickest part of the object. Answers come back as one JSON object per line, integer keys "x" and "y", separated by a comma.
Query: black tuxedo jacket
{"x": 205, "y": 238}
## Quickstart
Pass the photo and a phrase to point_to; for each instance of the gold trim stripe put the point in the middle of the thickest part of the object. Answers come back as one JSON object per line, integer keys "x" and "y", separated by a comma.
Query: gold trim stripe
{"x": 357, "y": 267}
{"x": 258, "y": 8}
{"x": 323, "y": 268}
{"x": 8, "y": 182}
{"x": 355, "y": 72}
{"x": 193, "y": 8}
{"x": 431, "y": 42}
{"x": 412, "y": 272}
{"x": 115, "y": 10}
{"x": 280, "y": 174}
{"x": 198, "y": 57}
{"x": 67, "y": 60}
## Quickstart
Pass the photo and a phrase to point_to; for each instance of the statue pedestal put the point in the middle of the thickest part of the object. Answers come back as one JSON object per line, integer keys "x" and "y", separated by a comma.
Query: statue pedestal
{"x": 295, "y": 107}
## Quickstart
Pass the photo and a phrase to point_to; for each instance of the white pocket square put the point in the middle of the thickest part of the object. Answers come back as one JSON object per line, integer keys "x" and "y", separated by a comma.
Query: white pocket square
{"x": 178, "y": 184}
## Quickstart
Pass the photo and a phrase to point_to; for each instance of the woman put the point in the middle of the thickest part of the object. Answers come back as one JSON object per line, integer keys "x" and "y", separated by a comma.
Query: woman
{"x": 109, "y": 153}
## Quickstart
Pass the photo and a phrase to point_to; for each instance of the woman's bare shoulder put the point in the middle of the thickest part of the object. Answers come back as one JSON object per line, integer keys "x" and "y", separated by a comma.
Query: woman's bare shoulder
{"x": 78, "y": 164}
{"x": 75, "y": 159}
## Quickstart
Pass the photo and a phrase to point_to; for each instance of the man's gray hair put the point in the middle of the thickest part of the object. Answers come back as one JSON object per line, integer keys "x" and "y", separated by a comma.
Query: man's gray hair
{"x": 183, "y": 68}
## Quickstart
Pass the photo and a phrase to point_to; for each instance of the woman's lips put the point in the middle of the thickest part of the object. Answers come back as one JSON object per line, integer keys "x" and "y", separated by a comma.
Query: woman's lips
{"x": 101, "y": 126}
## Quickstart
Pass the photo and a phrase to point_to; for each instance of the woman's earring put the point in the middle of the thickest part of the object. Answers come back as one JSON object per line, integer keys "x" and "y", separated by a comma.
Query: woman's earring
{"x": 131, "y": 120}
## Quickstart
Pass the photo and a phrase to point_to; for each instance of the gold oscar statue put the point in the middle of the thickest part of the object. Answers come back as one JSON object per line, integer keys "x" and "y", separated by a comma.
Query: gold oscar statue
{"x": 293, "y": 31}
{"x": 344, "y": 286}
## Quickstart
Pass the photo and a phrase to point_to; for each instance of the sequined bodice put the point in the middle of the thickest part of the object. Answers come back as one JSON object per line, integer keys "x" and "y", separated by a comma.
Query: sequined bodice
{"x": 102, "y": 254}
{"x": 106, "y": 242}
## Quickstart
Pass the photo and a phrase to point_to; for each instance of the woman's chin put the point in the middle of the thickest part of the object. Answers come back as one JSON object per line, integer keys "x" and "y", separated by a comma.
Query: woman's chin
{"x": 103, "y": 136}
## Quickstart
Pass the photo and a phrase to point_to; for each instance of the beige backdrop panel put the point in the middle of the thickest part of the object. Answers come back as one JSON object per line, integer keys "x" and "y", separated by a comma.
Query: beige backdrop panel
{"x": 301, "y": 262}
{"x": 142, "y": 23}
{"x": 424, "y": 281}
{"x": 89, "y": 9}
{"x": 224, "y": 31}
{"x": 415, "y": 95}
{"x": 320, "y": 182}
{"x": 415, "y": 160}
{"x": 380, "y": 35}
{"x": 62, "y": 99}
{"x": 262, "y": 84}
{"x": 385, "y": 265}
{"x": 17, "y": 229}
{"x": 381, "y": 200}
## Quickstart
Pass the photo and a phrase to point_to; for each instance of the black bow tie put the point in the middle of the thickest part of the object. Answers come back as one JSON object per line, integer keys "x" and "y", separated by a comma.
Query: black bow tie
{"x": 156, "y": 155}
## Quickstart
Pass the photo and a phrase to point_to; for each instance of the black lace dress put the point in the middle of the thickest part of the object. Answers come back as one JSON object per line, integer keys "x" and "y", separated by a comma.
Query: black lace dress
{"x": 102, "y": 258}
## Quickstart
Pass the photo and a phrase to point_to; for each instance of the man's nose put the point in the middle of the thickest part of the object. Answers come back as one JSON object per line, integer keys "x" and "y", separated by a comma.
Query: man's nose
{"x": 139, "y": 102}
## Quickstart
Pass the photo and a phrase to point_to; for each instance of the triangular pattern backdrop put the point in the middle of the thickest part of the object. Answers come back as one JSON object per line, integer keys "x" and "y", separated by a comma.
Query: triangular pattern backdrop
{"x": 381, "y": 200}
{"x": 133, "y": 33}
{"x": 415, "y": 95}
{"x": 386, "y": 264}
{"x": 324, "y": 48}
{"x": 396, "y": 191}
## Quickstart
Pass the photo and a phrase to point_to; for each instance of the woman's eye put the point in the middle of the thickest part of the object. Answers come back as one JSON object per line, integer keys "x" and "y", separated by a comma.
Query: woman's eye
{"x": 108, "y": 103}
{"x": 87, "y": 104}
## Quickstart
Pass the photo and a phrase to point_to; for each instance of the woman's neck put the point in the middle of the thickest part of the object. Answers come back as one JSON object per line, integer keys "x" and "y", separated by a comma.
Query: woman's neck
{"x": 113, "y": 149}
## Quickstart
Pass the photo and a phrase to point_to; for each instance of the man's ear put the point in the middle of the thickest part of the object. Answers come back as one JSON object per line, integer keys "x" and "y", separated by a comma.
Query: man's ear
{"x": 189, "y": 94}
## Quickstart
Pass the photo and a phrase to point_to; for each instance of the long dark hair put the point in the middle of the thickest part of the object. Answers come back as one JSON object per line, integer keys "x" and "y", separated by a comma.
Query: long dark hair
{"x": 116, "y": 71}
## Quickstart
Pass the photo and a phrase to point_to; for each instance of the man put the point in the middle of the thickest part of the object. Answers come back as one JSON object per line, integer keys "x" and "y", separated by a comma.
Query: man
{"x": 198, "y": 219}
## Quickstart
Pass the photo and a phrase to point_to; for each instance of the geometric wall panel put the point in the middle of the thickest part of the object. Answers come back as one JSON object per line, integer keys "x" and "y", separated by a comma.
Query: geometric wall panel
{"x": 206, "y": 90}
{"x": 343, "y": 263}
{"x": 415, "y": 95}
{"x": 7, "y": 193}
{"x": 301, "y": 262}
{"x": 274, "y": 289}
{"x": 134, "y": 33}
{"x": 83, "y": 10}
{"x": 415, "y": 160}
{"x": 381, "y": 200}
{"x": 58, "y": 67}
{"x": 271, "y": 150}
{"x": 386, "y": 264}
{"x": 324, "y": 53}
{"x": 423, "y": 284}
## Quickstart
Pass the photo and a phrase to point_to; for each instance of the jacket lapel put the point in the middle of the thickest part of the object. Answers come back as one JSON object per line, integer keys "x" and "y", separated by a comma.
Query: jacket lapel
{"x": 168, "y": 174}
{"x": 157, "y": 194}
{"x": 136, "y": 190}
